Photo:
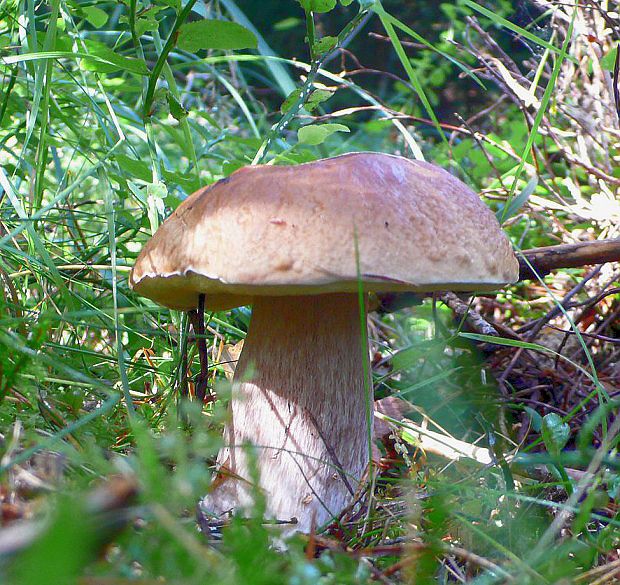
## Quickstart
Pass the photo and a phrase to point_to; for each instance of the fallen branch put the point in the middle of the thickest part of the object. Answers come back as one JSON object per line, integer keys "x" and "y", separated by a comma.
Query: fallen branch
{"x": 545, "y": 260}
{"x": 464, "y": 311}
{"x": 438, "y": 443}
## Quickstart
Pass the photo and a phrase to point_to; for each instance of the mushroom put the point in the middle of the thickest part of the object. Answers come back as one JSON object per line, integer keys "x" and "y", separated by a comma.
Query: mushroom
{"x": 297, "y": 242}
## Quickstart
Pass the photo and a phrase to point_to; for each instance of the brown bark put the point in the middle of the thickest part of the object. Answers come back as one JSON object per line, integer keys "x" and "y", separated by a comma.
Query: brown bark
{"x": 545, "y": 260}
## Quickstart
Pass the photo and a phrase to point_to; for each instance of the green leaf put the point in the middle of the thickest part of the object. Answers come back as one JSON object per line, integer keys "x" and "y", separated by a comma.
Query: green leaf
{"x": 318, "y": 5}
{"x": 588, "y": 428}
{"x": 146, "y": 21}
{"x": 135, "y": 169}
{"x": 407, "y": 65}
{"x": 346, "y": 2}
{"x": 608, "y": 62}
{"x": 287, "y": 24}
{"x": 318, "y": 133}
{"x": 155, "y": 195}
{"x": 583, "y": 516}
{"x": 160, "y": 98}
{"x": 95, "y": 16}
{"x": 215, "y": 34}
{"x": 108, "y": 61}
{"x": 176, "y": 4}
{"x": 177, "y": 111}
{"x": 146, "y": 24}
{"x": 317, "y": 97}
{"x": 291, "y": 98}
{"x": 186, "y": 181}
{"x": 555, "y": 432}
{"x": 63, "y": 43}
{"x": 613, "y": 487}
{"x": 508, "y": 342}
{"x": 535, "y": 419}
{"x": 518, "y": 201}
{"x": 325, "y": 44}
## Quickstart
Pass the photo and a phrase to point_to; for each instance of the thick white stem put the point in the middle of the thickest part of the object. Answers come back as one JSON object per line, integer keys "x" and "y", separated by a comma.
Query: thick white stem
{"x": 299, "y": 398}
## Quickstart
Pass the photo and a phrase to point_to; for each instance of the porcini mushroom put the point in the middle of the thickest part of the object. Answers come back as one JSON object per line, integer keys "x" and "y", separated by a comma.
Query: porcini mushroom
{"x": 283, "y": 238}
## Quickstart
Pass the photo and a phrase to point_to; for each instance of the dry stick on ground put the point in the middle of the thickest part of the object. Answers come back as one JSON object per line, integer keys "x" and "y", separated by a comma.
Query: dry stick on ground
{"x": 410, "y": 548}
{"x": 534, "y": 327}
{"x": 546, "y": 259}
{"x": 532, "y": 330}
{"x": 464, "y": 312}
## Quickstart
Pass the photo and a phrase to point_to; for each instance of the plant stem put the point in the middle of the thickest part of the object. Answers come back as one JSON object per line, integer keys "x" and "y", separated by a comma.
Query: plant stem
{"x": 304, "y": 91}
{"x": 159, "y": 65}
{"x": 310, "y": 34}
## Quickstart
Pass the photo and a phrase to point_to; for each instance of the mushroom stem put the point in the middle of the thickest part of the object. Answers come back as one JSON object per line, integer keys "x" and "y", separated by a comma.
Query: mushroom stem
{"x": 299, "y": 398}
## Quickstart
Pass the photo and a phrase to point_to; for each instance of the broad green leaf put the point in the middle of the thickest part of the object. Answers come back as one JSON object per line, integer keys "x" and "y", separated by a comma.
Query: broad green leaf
{"x": 215, "y": 34}
{"x": 318, "y": 5}
{"x": 317, "y": 97}
{"x": 63, "y": 43}
{"x": 177, "y": 110}
{"x": 555, "y": 432}
{"x": 146, "y": 24}
{"x": 135, "y": 169}
{"x": 188, "y": 182}
{"x": 107, "y": 61}
{"x": 407, "y": 357}
{"x": 176, "y": 4}
{"x": 535, "y": 418}
{"x": 325, "y": 44}
{"x": 276, "y": 68}
{"x": 146, "y": 21}
{"x": 287, "y": 24}
{"x": 95, "y": 16}
{"x": 291, "y": 98}
{"x": 318, "y": 133}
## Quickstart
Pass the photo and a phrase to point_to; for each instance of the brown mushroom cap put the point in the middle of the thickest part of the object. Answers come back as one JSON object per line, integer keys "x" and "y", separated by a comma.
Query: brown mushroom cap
{"x": 291, "y": 230}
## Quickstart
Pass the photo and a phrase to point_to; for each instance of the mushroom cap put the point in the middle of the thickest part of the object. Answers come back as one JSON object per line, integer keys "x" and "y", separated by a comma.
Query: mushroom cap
{"x": 293, "y": 230}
